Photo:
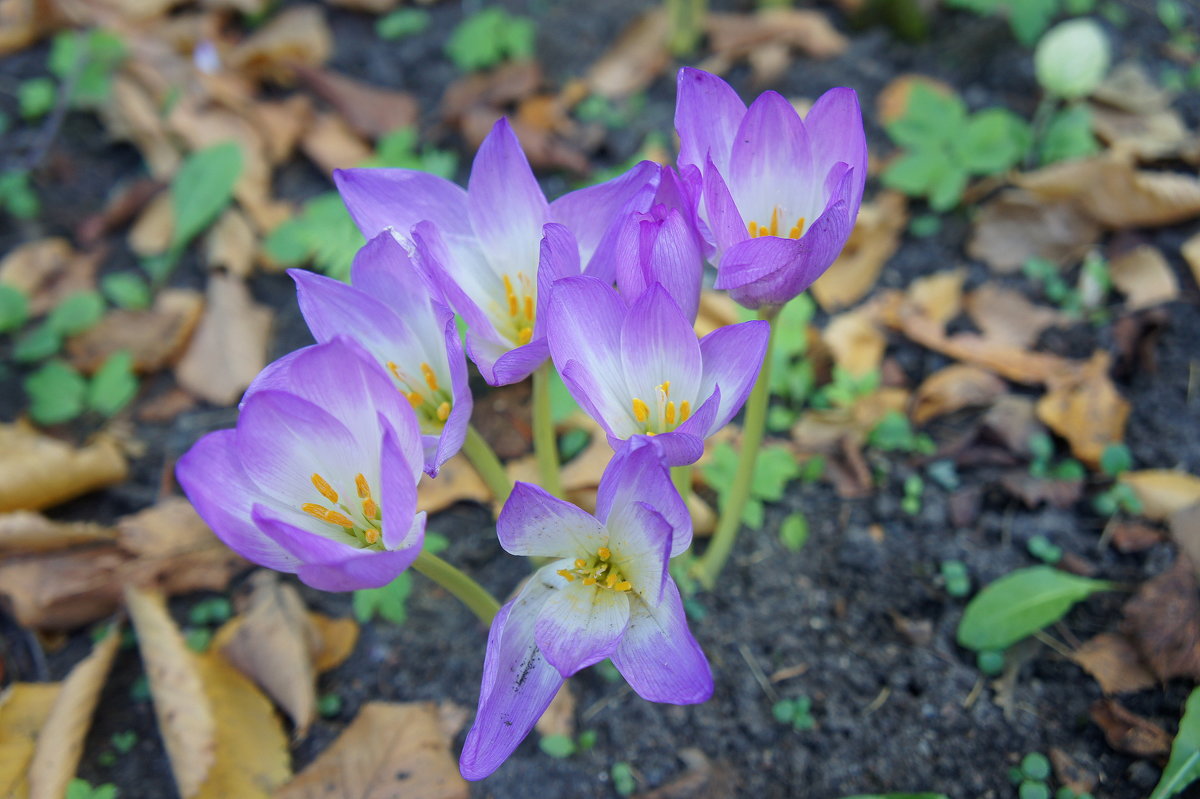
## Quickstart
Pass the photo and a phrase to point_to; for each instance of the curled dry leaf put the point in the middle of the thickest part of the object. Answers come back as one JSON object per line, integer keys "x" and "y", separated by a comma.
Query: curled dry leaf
{"x": 636, "y": 58}
{"x": 1018, "y": 225}
{"x": 37, "y": 471}
{"x": 937, "y": 297}
{"x": 1129, "y": 87}
{"x": 151, "y": 233}
{"x": 298, "y": 36}
{"x": 1034, "y": 491}
{"x": 388, "y": 750}
{"x": 499, "y": 88}
{"x": 1162, "y": 491}
{"x": 1184, "y": 525}
{"x": 856, "y": 342}
{"x": 230, "y": 244}
{"x": 1128, "y": 732}
{"x": 717, "y": 309}
{"x": 559, "y": 718}
{"x": 333, "y": 640}
{"x": 1005, "y": 315}
{"x": 875, "y": 238}
{"x": 371, "y": 111}
{"x": 132, "y": 114}
{"x": 230, "y": 345}
{"x": 1086, "y": 410}
{"x": 1071, "y": 774}
{"x": 1150, "y": 135}
{"x": 155, "y": 337}
{"x": 46, "y": 271}
{"x": 24, "y": 708}
{"x": 1163, "y": 621}
{"x": 282, "y": 122}
{"x": 1191, "y": 253}
{"x": 767, "y": 39}
{"x": 1132, "y": 536}
{"x": 1144, "y": 277}
{"x": 24, "y": 532}
{"x": 456, "y": 482}
{"x": 953, "y": 388}
{"x": 60, "y": 742}
{"x": 1114, "y": 661}
{"x": 331, "y": 144}
{"x": 23, "y": 22}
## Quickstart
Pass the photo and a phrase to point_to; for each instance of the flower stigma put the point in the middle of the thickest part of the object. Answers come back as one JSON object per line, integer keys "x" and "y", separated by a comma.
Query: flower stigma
{"x": 364, "y": 525}
{"x": 598, "y": 571}
{"x": 665, "y": 415}
{"x": 522, "y": 308}
{"x": 758, "y": 231}
{"x": 433, "y": 406}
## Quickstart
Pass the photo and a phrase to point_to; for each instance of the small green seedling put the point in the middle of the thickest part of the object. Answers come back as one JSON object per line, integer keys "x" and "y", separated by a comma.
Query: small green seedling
{"x": 956, "y": 578}
{"x": 1033, "y": 789}
{"x": 774, "y": 468}
{"x": 561, "y": 746}
{"x": 126, "y": 290}
{"x": 329, "y": 705}
{"x": 56, "y": 393}
{"x": 914, "y": 488}
{"x": 489, "y": 37}
{"x": 793, "y": 533}
{"x": 401, "y": 23}
{"x": 14, "y": 308}
{"x": 1065, "y": 792}
{"x": 796, "y": 712}
{"x": 624, "y": 783}
{"x": 1040, "y": 547}
{"x": 1041, "y": 447}
{"x": 894, "y": 433}
{"x": 990, "y": 661}
{"x": 925, "y": 225}
{"x": 389, "y": 602}
{"x": 82, "y": 789}
{"x": 124, "y": 742}
{"x": 846, "y": 388}
{"x": 214, "y": 610}
{"x": 197, "y": 639}
{"x": 139, "y": 690}
{"x": 35, "y": 97}
{"x": 1119, "y": 497}
{"x": 17, "y": 197}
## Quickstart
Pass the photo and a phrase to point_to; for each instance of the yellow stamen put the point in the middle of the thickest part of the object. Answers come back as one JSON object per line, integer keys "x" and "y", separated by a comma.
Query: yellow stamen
{"x": 640, "y": 410}
{"x": 360, "y": 483}
{"x": 611, "y": 581}
{"x": 529, "y": 307}
{"x": 624, "y": 585}
{"x": 775, "y": 221}
{"x": 508, "y": 286}
{"x": 666, "y": 388}
{"x": 370, "y": 535}
{"x": 395, "y": 370}
{"x": 513, "y": 305}
{"x": 324, "y": 488}
{"x": 370, "y": 509}
{"x": 604, "y": 553}
{"x": 415, "y": 399}
{"x": 312, "y": 509}
{"x": 669, "y": 413}
{"x": 570, "y": 578}
{"x": 338, "y": 519}
{"x": 685, "y": 410}
{"x": 525, "y": 335}
{"x": 430, "y": 377}
{"x": 753, "y": 229}
{"x": 589, "y": 580}
{"x": 443, "y": 411}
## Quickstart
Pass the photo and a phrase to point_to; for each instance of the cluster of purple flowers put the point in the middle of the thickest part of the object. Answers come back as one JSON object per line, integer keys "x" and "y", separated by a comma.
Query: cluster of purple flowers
{"x": 320, "y": 476}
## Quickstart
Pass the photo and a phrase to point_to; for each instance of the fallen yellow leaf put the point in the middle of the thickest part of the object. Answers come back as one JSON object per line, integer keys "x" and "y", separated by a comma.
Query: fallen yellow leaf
{"x": 37, "y": 471}
{"x": 1163, "y": 491}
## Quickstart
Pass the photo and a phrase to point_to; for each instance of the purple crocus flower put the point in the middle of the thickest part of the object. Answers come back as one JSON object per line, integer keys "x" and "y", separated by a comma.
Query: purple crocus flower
{"x": 485, "y": 247}
{"x": 322, "y": 450}
{"x": 607, "y": 594}
{"x": 390, "y": 311}
{"x": 640, "y": 371}
{"x": 780, "y": 194}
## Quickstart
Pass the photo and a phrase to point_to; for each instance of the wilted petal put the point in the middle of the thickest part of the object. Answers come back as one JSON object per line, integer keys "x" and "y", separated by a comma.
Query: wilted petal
{"x": 733, "y": 357}
{"x": 535, "y": 523}
{"x": 707, "y": 115}
{"x": 518, "y": 684}
{"x": 400, "y": 198}
{"x": 580, "y": 625}
{"x": 506, "y": 204}
{"x": 658, "y": 655}
{"x": 590, "y": 214}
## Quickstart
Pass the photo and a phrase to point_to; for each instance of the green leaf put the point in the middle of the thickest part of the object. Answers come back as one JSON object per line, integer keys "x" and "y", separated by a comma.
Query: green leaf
{"x": 88, "y": 60}
{"x": 914, "y": 172}
{"x": 1035, "y": 766}
{"x": 1172, "y": 15}
{"x": 214, "y": 610}
{"x": 36, "y": 97}
{"x": 56, "y": 393}
{"x": 947, "y": 188}
{"x": 329, "y": 705}
{"x": 197, "y": 638}
{"x": 488, "y": 37}
{"x": 1183, "y": 768}
{"x": 124, "y": 742}
{"x": 17, "y": 196}
{"x": 557, "y": 746}
{"x": 1029, "y": 18}
{"x": 126, "y": 290}
{"x": 14, "y": 308}
{"x": 774, "y": 468}
{"x": 41, "y": 342}
{"x": 623, "y": 780}
{"x": 994, "y": 141}
{"x": 76, "y": 313}
{"x": 1021, "y": 603}
{"x": 1069, "y": 136}
{"x": 930, "y": 119}
{"x": 1115, "y": 460}
{"x": 562, "y": 404}
{"x": 287, "y": 243}
{"x": 402, "y": 22}
{"x": 389, "y": 602}
{"x": 113, "y": 385}
{"x": 793, "y": 533}
{"x": 1072, "y": 58}
{"x": 202, "y": 188}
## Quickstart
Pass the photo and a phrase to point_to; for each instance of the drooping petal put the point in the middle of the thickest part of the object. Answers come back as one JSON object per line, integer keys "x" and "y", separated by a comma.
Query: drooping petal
{"x": 707, "y": 114}
{"x": 518, "y": 684}
{"x": 584, "y": 327}
{"x": 580, "y": 625}
{"x": 214, "y": 481}
{"x": 537, "y": 524}
{"x": 835, "y": 129}
{"x": 400, "y": 198}
{"x": 658, "y": 655}
{"x": 638, "y": 473}
{"x": 733, "y": 357}
{"x": 771, "y": 170}
{"x": 506, "y": 204}
{"x": 398, "y": 494}
{"x": 590, "y": 214}
{"x": 659, "y": 344}
{"x": 502, "y": 365}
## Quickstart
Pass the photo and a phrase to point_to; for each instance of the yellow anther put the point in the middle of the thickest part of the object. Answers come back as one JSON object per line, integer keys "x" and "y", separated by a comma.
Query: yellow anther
{"x": 415, "y": 399}
{"x": 604, "y": 553}
{"x": 611, "y": 581}
{"x": 395, "y": 370}
{"x": 775, "y": 221}
{"x": 669, "y": 413}
{"x": 685, "y": 410}
{"x": 430, "y": 377}
{"x": 641, "y": 411}
{"x": 508, "y": 286}
{"x": 580, "y": 563}
{"x": 525, "y": 336}
{"x": 753, "y": 229}
{"x": 370, "y": 535}
{"x": 370, "y": 509}
{"x": 665, "y": 388}
{"x": 529, "y": 308}
{"x": 338, "y": 519}
{"x": 566, "y": 575}
{"x": 360, "y": 483}
{"x": 322, "y": 486}
{"x": 443, "y": 411}
{"x": 589, "y": 580}
{"x": 514, "y": 306}
{"x": 624, "y": 585}
{"x": 798, "y": 230}
{"x": 312, "y": 509}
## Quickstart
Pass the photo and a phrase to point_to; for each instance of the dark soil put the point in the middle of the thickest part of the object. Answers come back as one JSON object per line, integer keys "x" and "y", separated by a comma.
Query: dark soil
{"x": 898, "y": 706}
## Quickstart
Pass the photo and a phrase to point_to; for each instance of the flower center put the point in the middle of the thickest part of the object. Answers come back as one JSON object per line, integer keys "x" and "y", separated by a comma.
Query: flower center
{"x": 432, "y": 403}
{"x": 364, "y": 523}
{"x": 758, "y": 231}
{"x": 665, "y": 415}
{"x": 521, "y": 308}
{"x": 598, "y": 571}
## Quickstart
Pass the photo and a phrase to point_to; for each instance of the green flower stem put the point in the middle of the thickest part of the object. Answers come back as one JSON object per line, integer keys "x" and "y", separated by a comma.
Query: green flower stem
{"x": 545, "y": 443}
{"x": 709, "y": 567}
{"x": 489, "y": 467}
{"x": 466, "y": 590}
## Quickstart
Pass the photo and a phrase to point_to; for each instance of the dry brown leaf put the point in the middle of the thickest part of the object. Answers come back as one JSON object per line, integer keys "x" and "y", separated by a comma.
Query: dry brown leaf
{"x": 37, "y": 471}
{"x": 1017, "y": 226}
{"x": 559, "y": 718}
{"x": 1112, "y": 659}
{"x": 272, "y": 643}
{"x": 1184, "y": 525}
{"x": 456, "y": 482}
{"x": 154, "y": 337}
{"x": 875, "y": 237}
{"x": 856, "y": 342}
{"x": 297, "y": 36}
{"x": 23, "y": 22}
{"x": 1144, "y": 277}
{"x": 700, "y": 778}
{"x": 1005, "y": 315}
{"x": 778, "y": 31}
{"x": 230, "y": 345}
{"x": 331, "y": 144}
{"x": 1117, "y": 194}
{"x": 717, "y": 309}
{"x": 1086, "y": 410}
{"x": 333, "y": 640}
{"x": 1128, "y": 732}
{"x": 635, "y": 59}
{"x": 1162, "y": 492}
{"x": 133, "y": 115}
{"x": 282, "y": 123}
{"x": 1133, "y": 536}
{"x": 1130, "y": 87}
{"x": 46, "y": 271}
{"x": 371, "y": 111}
{"x": 230, "y": 244}
{"x": 501, "y": 87}
{"x": 184, "y": 711}
{"x": 1191, "y": 253}
{"x": 1150, "y": 136}
{"x": 544, "y": 146}
{"x": 151, "y": 233}
{"x": 937, "y": 297}
{"x": 1163, "y": 621}
{"x": 892, "y": 101}
{"x": 388, "y": 750}
{"x": 1034, "y": 491}
{"x": 23, "y": 532}
{"x": 24, "y": 708}
{"x": 953, "y": 388}
{"x": 60, "y": 742}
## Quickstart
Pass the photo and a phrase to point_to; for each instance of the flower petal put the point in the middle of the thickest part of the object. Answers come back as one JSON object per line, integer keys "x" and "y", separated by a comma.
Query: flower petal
{"x": 504, "y": 364}
{"x": 214, "y": 481}
{"x": 580, "y": 625}
{"x": 658, "y": 655}
{"x": 518, "y": 684}
{"x": 641, "y": 544}
{"x": 398, "y": 494}
{"x": 707, "y": 115}
{"x": 559, "y": 258}
{"x": 671, "y": 256}
{"x": 535, "y": 523}
{"x": 462, "y": 403}
{"x": 725, "y": 222}
{"x": 771, "y": 169}
{"x": 384, "y": 270}
{"x": 659, "y": 344}
{"x": 400, "y": 198}
{"x": 506, "y": 204}
{"x": 461, "y": 275}
{"x": 835, "y": 128}
{"x": 733, "y": 357}
{"x": 584, "y": 326}
{"x": 638, "y": 474}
